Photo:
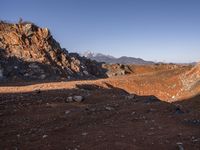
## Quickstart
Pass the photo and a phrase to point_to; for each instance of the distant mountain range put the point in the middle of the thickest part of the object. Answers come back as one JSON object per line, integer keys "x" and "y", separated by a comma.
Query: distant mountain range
{"x": 113, "y": 60}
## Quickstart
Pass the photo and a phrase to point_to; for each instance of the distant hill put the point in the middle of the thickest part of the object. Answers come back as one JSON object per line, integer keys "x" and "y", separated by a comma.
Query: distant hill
{"x": 113, "y": 60}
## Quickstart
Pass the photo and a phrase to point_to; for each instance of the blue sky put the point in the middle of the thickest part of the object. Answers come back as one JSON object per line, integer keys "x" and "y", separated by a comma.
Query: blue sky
{"x": 158, "y": 30}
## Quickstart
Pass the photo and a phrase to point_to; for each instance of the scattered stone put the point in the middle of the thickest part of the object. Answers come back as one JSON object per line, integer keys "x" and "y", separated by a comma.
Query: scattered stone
{"x": 133, "y": 113}
{"x": 43, "y": 76}
{"x": 15, "y": 67}
{"x": 130, "y": 96}
{"x": 84, "y": 134}
{"x": 74, "y": 98}
{"x": 150, "y": 133}
{"x": 69, "y": 99}
{"x": 33, "y": 66}
{"x": 26, "y": 75}
{"x": 180, "y": 145}
{"x": 86, "y": 73}
{"x": 67, "y": 112}
{"x": 44, "y": 136}
{"x": 109, "y": 108}
{"x": 192, "y": 121}
{"x": 18, "y": 135}
{"x": 195, "y": 139}
{"x": 78, "y": 98}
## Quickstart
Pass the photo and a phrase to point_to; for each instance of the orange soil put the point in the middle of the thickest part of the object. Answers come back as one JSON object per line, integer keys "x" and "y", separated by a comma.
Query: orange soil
{"x": 106, "y": 119}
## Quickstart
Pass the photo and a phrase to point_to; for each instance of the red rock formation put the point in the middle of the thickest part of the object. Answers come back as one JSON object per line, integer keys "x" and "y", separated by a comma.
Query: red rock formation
{"x": 29, "y": 43}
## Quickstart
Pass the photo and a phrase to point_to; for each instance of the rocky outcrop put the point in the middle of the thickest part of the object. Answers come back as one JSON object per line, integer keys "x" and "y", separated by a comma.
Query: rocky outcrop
{"x": 117, "y": 69}
{"x": 30, "y": 52}
{"x": 191, "y": 78}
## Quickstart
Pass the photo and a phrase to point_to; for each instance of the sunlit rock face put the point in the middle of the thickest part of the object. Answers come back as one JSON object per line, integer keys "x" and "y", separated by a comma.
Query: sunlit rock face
{"x": 26, "y": 43}
{"x": 191, "y": 78}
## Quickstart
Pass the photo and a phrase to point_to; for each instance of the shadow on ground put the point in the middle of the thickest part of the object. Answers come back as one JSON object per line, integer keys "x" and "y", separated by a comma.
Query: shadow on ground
{"x": 18, "y": 72}
{"x": 108, "y": 118}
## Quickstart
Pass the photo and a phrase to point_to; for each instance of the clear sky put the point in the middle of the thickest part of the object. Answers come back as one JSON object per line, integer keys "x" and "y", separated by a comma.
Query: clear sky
{"x": 161, "y": 30}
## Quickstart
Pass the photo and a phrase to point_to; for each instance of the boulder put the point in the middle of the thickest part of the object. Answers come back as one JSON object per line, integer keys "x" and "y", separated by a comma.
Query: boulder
{"x": 130, "y": 96}
{"x": 78, "y": 98}
{"x": 108, "y": 108}
{"x": 69, "y": 99}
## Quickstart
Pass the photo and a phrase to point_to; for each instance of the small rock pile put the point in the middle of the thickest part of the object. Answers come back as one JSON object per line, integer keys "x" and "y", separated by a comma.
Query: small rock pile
{"x": 30, "y": 52}
{"x": 76, "y": 98}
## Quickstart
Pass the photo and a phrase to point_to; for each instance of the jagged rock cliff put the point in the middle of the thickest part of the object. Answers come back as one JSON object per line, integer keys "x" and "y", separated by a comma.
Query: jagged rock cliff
{"x": 30, "y": 52}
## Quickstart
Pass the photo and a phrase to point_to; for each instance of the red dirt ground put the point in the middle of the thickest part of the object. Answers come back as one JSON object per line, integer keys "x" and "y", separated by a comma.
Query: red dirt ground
{"x": 35, "y": 115}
